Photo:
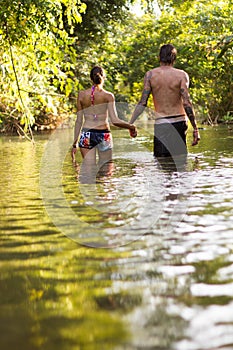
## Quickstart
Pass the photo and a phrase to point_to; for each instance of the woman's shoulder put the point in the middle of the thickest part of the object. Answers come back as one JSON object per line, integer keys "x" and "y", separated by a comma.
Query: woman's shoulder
{"x": 109, "y": 95}
{"x": 83, "y": 93}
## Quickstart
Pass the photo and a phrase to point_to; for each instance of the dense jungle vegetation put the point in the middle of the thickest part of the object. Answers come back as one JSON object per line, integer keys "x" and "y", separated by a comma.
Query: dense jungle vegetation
{"x": 48, "y": 48}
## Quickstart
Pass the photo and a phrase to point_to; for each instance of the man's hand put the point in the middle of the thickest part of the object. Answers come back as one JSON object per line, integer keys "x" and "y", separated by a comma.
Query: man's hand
{"x": 196, "y": 137}
{"x": 133, "y": 131}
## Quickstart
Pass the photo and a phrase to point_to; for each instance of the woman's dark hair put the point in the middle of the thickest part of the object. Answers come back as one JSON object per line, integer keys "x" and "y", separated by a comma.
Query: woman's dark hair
{"x": 167, "y": 54}
{"x": 97, "y": 74}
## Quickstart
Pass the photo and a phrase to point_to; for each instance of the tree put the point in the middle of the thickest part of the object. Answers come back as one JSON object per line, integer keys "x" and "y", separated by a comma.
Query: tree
{"x": 202, "y": 34}
{"x": 46, "y": 51}
{"x": 37, "y": 57}
{"x": 48, "y": 48}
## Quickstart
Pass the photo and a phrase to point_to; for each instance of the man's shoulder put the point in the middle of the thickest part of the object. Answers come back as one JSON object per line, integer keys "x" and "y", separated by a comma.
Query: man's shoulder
{"x": 160, "y": 69}
{"x": 179, "y": 74}
{"x": 180, "y": 71}
{"x": 150, "y": 73}
{"x": 153, "y": 70}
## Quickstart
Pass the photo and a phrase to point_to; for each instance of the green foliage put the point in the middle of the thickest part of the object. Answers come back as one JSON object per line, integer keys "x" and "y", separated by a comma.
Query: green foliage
{"x": 48, "y": 48}
{"x": 18, "y": 19}
{"x": 38, "y": 60}
{"x": 46, "y": 56}
{"x": 203, "y": 35}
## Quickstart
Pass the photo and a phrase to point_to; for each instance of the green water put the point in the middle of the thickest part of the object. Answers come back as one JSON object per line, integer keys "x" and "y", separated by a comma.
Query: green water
{"x": 163, "y": 278}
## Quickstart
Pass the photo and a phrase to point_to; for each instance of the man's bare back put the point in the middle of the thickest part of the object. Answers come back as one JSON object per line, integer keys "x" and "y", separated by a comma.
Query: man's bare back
{"x": 166, "y": 83}
{"x": 169, "y": 87}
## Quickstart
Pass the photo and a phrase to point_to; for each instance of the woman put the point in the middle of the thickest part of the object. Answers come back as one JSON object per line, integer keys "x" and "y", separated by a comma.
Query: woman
{"x": 92, "y": 128}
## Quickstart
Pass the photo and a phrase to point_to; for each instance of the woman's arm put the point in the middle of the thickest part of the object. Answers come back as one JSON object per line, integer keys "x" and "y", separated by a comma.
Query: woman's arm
{"x": 116, "y": 120}
{"x": 78, "y": 124}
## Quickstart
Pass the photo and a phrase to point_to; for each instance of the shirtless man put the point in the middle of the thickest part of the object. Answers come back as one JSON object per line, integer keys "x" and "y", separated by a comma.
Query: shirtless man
{"x": 169, "y": 88}
{"x": 92, "y": 128}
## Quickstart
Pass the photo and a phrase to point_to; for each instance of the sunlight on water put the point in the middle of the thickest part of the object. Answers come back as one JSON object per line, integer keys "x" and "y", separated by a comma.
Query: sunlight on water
{"x": 167, "y": 281}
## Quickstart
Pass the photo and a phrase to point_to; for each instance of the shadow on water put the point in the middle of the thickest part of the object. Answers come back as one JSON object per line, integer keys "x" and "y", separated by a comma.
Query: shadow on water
{"x": 171, "y": 288}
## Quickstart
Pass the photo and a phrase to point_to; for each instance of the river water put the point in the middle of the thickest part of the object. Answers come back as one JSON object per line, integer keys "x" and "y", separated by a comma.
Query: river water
{"x": 141, "y": 258}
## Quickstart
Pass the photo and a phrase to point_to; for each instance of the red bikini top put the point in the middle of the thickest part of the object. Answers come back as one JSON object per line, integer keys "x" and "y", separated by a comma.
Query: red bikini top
{"x": 93, "y": 98}
{"x": 92, "y": 95}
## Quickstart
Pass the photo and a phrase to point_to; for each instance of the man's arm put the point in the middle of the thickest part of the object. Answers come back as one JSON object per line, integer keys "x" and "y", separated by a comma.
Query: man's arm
{"x": 189, "y": 108}
{"x": 144, "y": 98}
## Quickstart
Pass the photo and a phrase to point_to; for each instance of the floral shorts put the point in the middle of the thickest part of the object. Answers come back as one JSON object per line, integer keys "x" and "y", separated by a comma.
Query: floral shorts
{"x": 91, "y": 138}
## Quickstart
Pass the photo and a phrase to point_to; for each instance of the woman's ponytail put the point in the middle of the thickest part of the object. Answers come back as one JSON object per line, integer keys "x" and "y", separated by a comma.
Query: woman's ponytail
{"x": 97, "y": 75}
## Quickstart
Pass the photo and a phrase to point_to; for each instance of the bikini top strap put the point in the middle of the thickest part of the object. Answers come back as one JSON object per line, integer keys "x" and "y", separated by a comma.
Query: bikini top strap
{"x": 92, "y": 95}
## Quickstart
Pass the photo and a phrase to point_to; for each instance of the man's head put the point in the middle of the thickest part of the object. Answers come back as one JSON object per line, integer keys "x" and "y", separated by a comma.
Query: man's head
{"x": 167, "y": 54}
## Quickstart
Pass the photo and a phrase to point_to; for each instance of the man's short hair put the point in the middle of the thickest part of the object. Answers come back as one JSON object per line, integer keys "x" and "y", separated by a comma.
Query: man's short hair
{"x": 167, "y": 54}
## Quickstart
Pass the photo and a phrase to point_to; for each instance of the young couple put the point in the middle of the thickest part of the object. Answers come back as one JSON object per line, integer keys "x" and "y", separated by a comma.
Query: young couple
{"x": 170, "y": 91}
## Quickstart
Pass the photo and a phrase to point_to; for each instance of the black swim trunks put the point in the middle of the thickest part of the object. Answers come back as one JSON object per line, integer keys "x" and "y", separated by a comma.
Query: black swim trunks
{"x": 170, "y": 139}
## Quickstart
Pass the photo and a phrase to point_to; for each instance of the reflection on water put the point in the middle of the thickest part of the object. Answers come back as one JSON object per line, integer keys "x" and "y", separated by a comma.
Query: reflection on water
{"x": 168, "y": 286}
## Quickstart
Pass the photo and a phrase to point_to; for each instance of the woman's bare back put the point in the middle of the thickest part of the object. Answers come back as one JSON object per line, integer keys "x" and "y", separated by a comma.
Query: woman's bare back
{"x": 95, "y": 107}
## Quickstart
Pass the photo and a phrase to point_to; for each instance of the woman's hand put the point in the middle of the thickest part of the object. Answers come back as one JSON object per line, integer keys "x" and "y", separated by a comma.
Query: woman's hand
{"x": 73, "y": 152}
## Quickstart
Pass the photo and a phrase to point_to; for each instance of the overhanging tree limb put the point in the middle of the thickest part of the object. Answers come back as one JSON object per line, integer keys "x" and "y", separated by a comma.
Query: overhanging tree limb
{"x": 18, "y": 89}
